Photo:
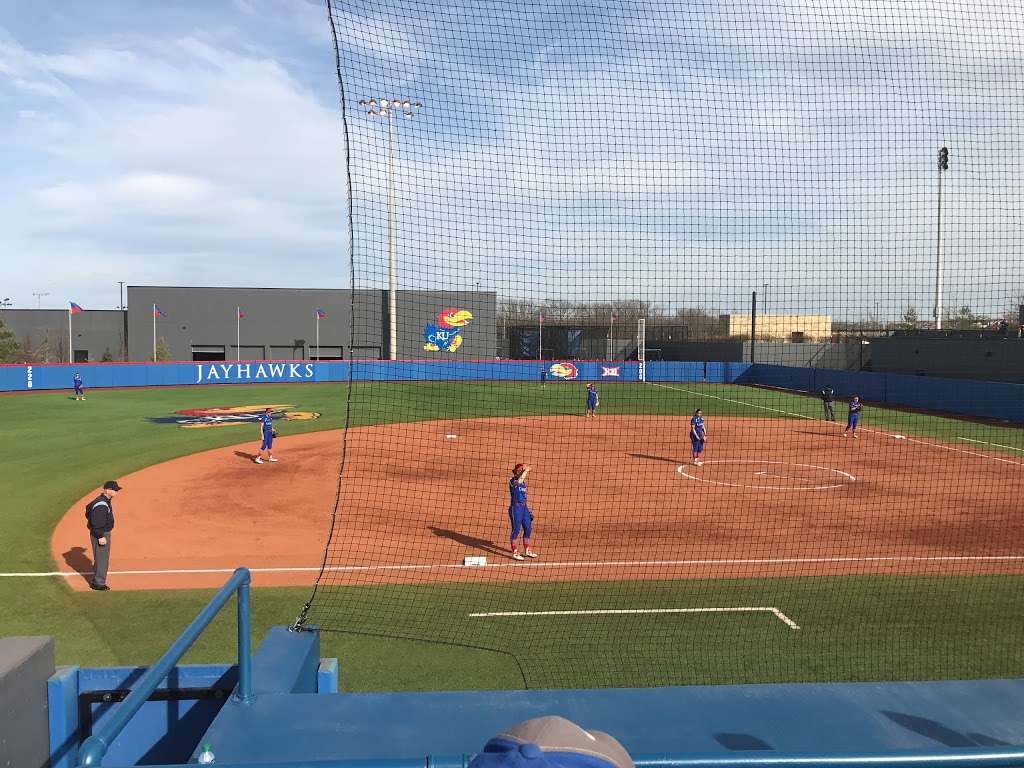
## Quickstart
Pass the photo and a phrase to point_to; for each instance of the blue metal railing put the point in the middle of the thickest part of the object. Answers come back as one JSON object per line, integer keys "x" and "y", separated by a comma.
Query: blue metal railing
{"x": 95, "y": 747}
{"x": 970, "y": 757}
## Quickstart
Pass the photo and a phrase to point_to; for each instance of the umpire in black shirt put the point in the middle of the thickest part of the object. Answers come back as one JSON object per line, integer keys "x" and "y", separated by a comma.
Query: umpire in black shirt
{"x": 828, "y": 397}
{"x": 99, "y": 513}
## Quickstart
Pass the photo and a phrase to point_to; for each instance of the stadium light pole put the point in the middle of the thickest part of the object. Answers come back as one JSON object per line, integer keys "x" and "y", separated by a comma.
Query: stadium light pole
{"x": 391, "y": 109}
{"x": 39, "y": 298}
{"x": 943, "y": 166}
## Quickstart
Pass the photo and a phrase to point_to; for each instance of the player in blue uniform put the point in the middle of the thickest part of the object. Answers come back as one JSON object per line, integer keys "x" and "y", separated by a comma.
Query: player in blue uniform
{"x": 853, "y": 417}
{"x": 698, "y": 436}
{"x": 79, "y": 392}
{"x": 518, "y": 513}
{"x": 267, "y": 434}
{"x": 591, "y": 400}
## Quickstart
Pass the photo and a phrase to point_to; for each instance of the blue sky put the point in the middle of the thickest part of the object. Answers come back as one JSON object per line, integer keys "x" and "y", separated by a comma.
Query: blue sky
{"x": 683, "y": 153}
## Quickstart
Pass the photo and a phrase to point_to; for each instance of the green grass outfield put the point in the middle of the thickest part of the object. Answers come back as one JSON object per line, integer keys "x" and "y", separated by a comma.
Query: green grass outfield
{"x": 55, "y": 450}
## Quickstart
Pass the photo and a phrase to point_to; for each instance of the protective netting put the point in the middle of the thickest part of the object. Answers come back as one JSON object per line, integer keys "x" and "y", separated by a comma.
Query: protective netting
{"x": 555, "y": 183}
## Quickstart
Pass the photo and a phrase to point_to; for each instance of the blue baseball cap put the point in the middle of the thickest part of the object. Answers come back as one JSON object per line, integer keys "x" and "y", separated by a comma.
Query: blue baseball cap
{"x": 552, "y": 742}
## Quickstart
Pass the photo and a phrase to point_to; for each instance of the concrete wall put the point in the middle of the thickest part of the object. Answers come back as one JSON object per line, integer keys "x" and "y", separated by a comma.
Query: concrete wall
{"x": 46, "y": 331}
{"x": 26, "y": 663}
{"x": 777, "y": 326}
{"x": 841, "y": 356}
{"x": 983, "y": 359}
{"x": 280, "y": 323}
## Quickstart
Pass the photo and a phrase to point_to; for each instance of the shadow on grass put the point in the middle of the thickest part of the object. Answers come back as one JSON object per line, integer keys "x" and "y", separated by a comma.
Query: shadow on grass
{"x": 79, "y": 562}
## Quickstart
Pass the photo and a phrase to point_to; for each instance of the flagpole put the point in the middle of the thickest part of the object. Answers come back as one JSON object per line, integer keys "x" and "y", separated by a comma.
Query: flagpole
{"x": 318, "y": 335}
{"x": 154, "y": 333}
{"x": 611, "y": 337}
{"x": 71, "y": 343}
{"x": 540, "y": 339}
{"x": 238, "y": 333}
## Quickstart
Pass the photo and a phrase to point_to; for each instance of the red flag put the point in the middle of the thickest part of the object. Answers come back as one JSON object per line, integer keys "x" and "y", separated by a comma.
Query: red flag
{"x": 75, "y": 309}
{"x": 542, "y": 319}
{"x": 241, "y": 313}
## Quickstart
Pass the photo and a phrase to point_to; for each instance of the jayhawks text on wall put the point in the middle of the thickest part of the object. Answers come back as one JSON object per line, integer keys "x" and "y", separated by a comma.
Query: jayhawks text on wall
{"x": 446, "y": 335}
{"x": 234, "y": 372}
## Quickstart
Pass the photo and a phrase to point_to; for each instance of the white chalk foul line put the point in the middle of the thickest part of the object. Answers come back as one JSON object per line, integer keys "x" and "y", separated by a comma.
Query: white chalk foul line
{"x": 860, "y": 429}
{"x": 632, "y": 611}
{"x": 997, "y": 445}
{"x": 543, "y": 564}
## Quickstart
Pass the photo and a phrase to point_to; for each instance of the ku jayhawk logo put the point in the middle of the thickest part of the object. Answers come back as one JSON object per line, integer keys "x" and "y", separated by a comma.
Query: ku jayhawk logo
{"x": 446, "y": 335}
{"x": 231, "y": 416}
{"x": 563, "y": 371}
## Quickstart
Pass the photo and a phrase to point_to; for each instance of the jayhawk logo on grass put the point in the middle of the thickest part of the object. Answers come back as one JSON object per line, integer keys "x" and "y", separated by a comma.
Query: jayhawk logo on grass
{"x": 446, "y": 334}
{"x": 563, "y": 371}
{"x": 231, "y": 416}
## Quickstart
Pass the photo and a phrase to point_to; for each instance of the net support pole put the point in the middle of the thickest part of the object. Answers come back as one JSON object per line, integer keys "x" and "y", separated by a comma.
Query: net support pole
{"x": 641, "y": 348}
{"x": 938, "y": 258}
{"x": 392, "y": 248}
{"x": 753, "y": 325}
{"x": 71, "y": 341}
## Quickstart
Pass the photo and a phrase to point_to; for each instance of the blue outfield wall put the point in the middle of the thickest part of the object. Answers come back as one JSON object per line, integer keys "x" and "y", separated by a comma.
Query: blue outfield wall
{"x": 994, "y": 400}
{"x": 25, "y": 378}
{"x": 1003, "y": 401}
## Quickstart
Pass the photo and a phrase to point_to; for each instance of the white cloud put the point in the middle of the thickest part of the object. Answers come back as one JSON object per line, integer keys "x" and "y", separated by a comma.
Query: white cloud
{"x": 689, "y": 156}
{"x": 169, "y": 159}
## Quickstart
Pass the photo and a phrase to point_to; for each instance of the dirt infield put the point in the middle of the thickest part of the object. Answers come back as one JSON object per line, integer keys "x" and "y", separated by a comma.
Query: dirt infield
{"x": 614, "y": 498}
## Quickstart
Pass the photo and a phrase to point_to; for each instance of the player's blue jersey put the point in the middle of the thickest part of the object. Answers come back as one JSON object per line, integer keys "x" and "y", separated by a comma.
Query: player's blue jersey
{"x": 78, "y": 380}
{"x": 697, "y": 426}
{"x": 856, "y": 406}
{"x": 591, "y": 398}
{"x": 517, "y": 491}
{"x": 267, "y": 421}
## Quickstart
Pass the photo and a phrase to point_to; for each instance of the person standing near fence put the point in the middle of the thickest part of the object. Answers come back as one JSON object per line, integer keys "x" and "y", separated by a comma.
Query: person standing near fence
{"x": 99, "y": 515}
{"x": 828, "y": 397}
{"x": 79, "y": 391}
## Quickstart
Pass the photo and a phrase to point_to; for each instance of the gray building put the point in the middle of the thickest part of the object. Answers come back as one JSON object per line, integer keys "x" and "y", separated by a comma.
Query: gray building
{"x": 43, "y": 333}
{"x": 988, "y": 359}
{"x": 280, "y": 323}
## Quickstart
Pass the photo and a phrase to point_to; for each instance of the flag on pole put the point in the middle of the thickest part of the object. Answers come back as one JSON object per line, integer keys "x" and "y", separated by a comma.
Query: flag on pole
{"x": 320, "y": 314}
{"x": 542, "y": 319}
{"x": 75, "y": 309}
{"x": 614, "y": 317}
{"x": 157, "y": 312}
{"x": 241, "y": 313}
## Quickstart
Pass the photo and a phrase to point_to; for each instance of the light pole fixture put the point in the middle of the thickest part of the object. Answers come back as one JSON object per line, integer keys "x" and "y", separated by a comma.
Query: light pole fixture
{"x": 943, "y": 165}
{"x": 390, "y": 109}
{"x": 39, "y": 298}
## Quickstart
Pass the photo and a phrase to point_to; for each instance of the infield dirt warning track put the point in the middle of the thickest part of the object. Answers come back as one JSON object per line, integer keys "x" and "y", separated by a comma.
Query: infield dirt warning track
{"x": 614, "y": 497}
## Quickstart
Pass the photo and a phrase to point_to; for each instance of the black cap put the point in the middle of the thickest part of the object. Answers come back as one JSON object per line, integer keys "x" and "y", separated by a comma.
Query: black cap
{"x": 111, "y": 485}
